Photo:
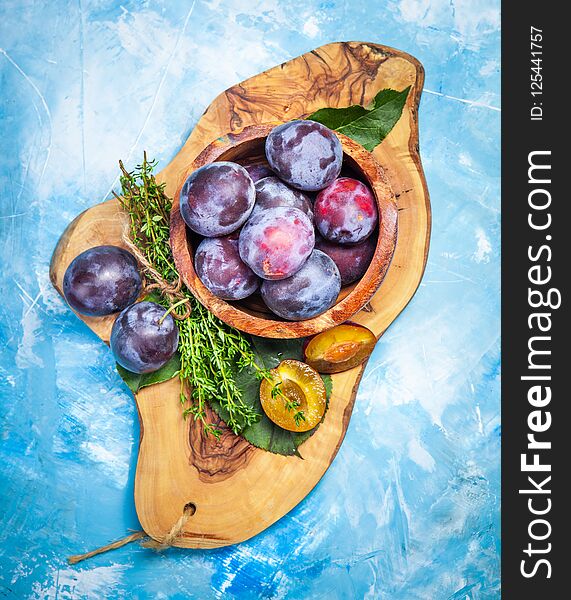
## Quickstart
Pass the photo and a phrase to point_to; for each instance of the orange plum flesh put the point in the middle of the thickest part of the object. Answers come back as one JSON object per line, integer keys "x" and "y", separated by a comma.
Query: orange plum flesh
{"x": 340, "y": 348}
{"x": 299, "y": 383}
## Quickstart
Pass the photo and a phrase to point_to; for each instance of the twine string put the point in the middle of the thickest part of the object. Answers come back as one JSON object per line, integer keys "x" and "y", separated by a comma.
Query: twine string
{"x": 170, "y": 538}
{"x": 175, "y": 531}
{"x": 155, "y": 281}
{"x": 73, "y": 560}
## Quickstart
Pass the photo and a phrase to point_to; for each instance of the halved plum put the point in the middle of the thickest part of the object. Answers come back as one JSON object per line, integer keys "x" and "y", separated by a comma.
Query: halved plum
{"x": 295, "y": 389}
{"x": 340, "y": 348}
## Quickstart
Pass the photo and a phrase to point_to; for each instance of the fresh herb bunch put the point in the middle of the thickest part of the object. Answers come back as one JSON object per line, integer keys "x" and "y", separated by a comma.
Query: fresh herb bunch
{"x": 211, "y": 352}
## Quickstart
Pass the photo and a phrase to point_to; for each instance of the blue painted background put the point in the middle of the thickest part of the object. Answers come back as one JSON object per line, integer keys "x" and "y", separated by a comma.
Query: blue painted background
{"x": 410, "y": 508}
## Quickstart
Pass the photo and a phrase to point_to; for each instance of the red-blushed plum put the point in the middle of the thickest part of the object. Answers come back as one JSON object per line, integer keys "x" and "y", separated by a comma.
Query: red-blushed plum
{"x": 142, "y": 338}
{"x": 307, "y": 293}
{"x": 272, "y": 192}
{"x": 351, "y": 260}
{"x": 276, "y": 242}
{"x": 305, "y": 154}
{"x": 101, "y": 281}
{"x": 218, "y": 265}
{"x": 346, "y": 211}
{"x": 258, "y": 171}
{"x": 217, "y": 199}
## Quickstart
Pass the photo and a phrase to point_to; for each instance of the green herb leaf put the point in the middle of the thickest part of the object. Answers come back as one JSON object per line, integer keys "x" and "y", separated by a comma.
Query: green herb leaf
{"x": 328, "y": 385}
{"x": 265, "y": 434}
{"x": 136, "y": 381}
{"x": 367, "y": 125}
{"x": 270, "y": 352}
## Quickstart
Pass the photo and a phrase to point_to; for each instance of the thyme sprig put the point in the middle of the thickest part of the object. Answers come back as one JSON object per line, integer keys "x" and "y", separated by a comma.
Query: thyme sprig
{"x": 211, "y": 352}
{"x": 290, "y": 405}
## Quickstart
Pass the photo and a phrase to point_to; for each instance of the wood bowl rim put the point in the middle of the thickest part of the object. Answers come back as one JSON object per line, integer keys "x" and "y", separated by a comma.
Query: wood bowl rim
{"x": 363, "y": 290}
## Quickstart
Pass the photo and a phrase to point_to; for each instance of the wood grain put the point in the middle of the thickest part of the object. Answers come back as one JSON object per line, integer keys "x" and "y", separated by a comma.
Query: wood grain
{"x": 243, "y": 145}
{"x": 239, "y": 490}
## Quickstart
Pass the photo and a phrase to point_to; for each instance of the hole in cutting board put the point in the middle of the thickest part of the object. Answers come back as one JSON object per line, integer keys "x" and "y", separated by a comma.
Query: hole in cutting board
{"x": 189, "y": 508}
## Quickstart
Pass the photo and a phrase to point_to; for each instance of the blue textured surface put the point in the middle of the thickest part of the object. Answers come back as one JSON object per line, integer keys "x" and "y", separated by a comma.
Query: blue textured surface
{"x": 410, "y": 507}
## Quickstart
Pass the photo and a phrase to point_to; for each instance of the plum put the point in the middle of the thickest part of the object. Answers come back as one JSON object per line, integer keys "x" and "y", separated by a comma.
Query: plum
{"x": 305, "y": 154}
{"x": 307, "y": 293}
{"x": 272, "y": 192}
{"x": 276, "y": 242}
{"x": 217, "y": 199}
{"x": 218, "y": 265}
{"x": 258, "y": 171}
{"x": 101, "y": 281}
{"x": 300, "y": 386}
{"x": 346, "y": 211}
{"x": 352, "y": 261}
{"x": 340, "y": 348}
{"x": 142, "y": 338}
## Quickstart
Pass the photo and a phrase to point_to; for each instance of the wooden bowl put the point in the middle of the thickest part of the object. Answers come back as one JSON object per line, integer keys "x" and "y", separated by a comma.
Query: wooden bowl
{"x": 250, "y": 315}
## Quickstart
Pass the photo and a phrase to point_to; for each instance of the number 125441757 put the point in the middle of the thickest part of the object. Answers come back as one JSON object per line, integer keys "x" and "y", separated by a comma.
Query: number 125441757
{"x": 536, "y": 75}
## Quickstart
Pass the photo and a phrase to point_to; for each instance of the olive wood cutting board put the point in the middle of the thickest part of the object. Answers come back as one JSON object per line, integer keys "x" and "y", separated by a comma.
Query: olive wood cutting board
{"x": 239, "y": 490}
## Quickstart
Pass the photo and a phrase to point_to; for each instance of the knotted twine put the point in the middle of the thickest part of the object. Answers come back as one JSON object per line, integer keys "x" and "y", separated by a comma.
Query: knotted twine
{"x": 155, "y": 281}
{"x": 175, "y": 532}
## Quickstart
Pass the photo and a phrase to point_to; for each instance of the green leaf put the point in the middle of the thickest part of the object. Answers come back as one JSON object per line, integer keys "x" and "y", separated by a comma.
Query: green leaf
{"x": 271, "y": 352}
{"x": 367, "y": 125}
{"x": 265, "y": 433}
{"x": 136, "y": 381}
{"x": 328, "y": 385}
